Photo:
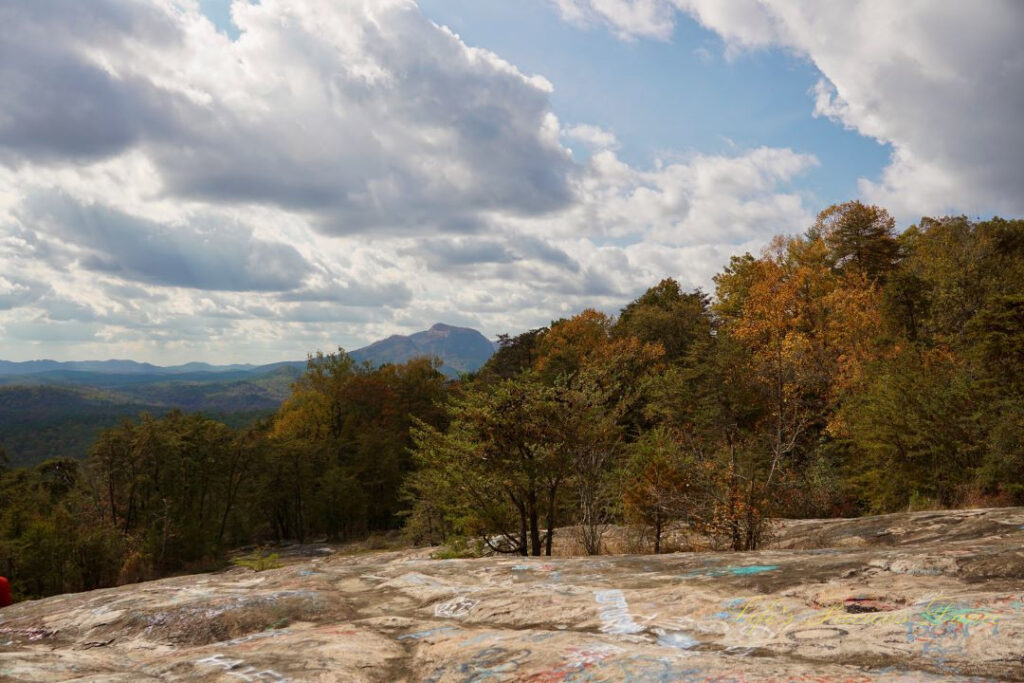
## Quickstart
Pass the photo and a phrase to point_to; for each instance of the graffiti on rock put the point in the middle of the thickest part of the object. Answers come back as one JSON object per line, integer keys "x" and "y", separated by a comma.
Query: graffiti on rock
{"x": 236, "y": 668}
{"x": 744, "y": 570}
{"x": 456, "y": 608}
{"x": 615, "y": 616}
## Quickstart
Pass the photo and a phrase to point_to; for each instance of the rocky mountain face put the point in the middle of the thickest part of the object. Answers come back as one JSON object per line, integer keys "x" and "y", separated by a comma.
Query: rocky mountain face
{"x": 908, "y": 597}
{"x": 460, "y": 348}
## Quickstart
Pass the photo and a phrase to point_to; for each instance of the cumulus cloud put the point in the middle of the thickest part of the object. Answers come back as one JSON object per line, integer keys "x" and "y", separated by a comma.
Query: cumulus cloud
{"x": 199, "y": 254}
{"x": 362, "y": 113}
{"x": 62, "y": 97}
{"x": 943, "y": 83}
{"x": 16, "y": 292}
{"x": 340, "y": 172}
{"x": 707, "y": 198}
{"x": 445, "y": 254}
{"x": 592, "y": 136}
{"x": 354, "y": 293}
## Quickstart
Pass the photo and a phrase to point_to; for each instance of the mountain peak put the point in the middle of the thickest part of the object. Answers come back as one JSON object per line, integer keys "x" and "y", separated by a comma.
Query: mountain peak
{"x": 461, "y": 349}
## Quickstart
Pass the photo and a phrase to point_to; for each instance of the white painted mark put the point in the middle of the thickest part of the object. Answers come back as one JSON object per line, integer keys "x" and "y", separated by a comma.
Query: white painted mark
{"x": 232, "y": 667}
{"x": 615, "y": 616}
{"x": 456, "y": 608}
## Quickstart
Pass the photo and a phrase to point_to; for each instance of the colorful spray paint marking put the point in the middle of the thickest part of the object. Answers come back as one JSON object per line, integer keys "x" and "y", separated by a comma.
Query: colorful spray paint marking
{"x": 942, "y": 611}
{"x": 745, "y": 570}
{"x": 615, "y": 616}
{"x": 945, "y": 626}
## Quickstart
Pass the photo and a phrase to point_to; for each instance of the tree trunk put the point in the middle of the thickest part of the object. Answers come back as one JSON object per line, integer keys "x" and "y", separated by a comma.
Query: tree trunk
{"x": 551, "y": 519}
{"x": 734, "y": 522}
{"x": 229, "y": 501}
{"x": 657, "y": 534}
{"x": 163, "y": 542}
{"x": 300, "y": 522}
{"x": 110, "y": 493}
{"x": 523, "y": 542}
{"x": 752, "y": 531}
{"x": 534, "y": 524}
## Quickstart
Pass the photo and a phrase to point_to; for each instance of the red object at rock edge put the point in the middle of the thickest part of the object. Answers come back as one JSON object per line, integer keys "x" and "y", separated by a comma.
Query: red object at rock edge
{"x": 5, "y": 592}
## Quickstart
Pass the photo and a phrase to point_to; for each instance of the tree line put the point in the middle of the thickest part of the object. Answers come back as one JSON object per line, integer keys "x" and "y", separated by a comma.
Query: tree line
{"x": 845, "y": 370}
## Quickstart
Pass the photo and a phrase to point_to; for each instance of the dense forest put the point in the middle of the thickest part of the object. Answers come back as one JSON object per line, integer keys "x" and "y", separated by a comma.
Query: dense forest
{"x": 62, "y": 413}
{"x": 844, "y": 371}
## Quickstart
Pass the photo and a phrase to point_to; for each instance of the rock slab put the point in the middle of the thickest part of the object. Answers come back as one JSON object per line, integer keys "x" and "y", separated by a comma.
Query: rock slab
{"x": 935, "y": 596}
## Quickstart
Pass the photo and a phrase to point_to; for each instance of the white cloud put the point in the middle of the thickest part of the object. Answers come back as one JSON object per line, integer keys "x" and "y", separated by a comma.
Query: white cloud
{"x": 16, "y": 292}
{"x": 704, "y": 199}
{"x": 943, "y": 83}
{"x": 628, "y": 19}
{"x": 362, "y": 113}
{"x": 342, "y": 172}
{"x": 200, "y": 254}
{"x": 594, "y": 137}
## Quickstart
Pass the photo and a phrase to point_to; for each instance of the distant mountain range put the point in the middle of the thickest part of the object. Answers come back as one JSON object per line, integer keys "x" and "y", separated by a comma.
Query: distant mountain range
{"x": 113, "y": 367}
{"x": 50, "y": 408}
{"x": 461, "y": 349}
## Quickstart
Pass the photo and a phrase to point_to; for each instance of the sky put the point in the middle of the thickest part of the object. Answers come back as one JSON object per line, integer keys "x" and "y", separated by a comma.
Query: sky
{"x": 240, "y": 181}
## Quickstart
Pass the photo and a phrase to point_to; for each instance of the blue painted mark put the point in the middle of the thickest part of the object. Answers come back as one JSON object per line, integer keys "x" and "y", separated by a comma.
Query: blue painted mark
{"x": 732, "y": 571}
{"x": 753, "y": 569}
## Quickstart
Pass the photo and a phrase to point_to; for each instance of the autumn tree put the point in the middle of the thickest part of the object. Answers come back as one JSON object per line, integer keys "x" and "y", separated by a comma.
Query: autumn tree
{"x": 782, "y": 354}
{"x": 569, "y": 342}
{"x": 658, "y": 483}
{"x": 593, "y": 419}
{"x": 341, "y": 444}
{"x": 513, "y": 356}
{"x": 499, "y": 452}
{"x": 802, "y": 331}
{"x": 860, "y": 237}
{"x": 666, "y": 315}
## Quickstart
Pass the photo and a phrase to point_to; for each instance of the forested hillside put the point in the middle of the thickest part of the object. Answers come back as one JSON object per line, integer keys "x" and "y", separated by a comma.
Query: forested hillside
{"x": 50, "y": 408}
{"x": 61, "y": 416}
{"x": 845, "y": 370}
